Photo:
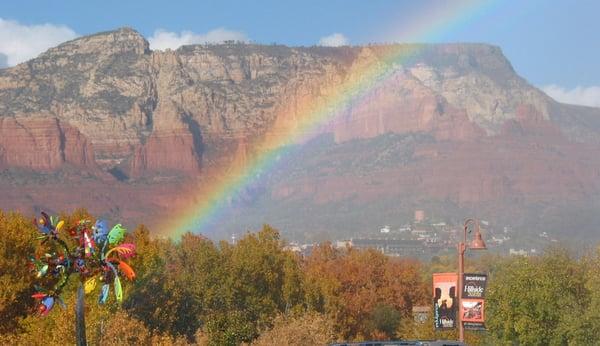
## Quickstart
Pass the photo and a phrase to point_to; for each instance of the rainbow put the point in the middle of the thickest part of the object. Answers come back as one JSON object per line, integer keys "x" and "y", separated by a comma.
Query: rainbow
{"x": 211, "y": 200}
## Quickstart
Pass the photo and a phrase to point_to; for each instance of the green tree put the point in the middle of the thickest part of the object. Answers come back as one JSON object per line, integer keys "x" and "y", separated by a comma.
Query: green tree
{"x": 537, "y": 301}
{"x": 261, "y": 280}
{"x": 197, "y": 272}
{"x": 586, "y": 327}
{"x": 385, "y": 319}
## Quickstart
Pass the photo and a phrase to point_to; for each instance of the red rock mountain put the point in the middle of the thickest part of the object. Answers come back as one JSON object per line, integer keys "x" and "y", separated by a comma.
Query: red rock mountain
{"x": 105, "y": 123}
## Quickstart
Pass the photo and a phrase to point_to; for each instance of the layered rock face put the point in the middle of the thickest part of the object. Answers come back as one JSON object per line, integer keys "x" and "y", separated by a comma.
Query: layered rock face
{"x": 110, "y": 86}
{"x": 43, "y": 144}
{"x": 107, "y": 103}
{"x": 175, "y": 144}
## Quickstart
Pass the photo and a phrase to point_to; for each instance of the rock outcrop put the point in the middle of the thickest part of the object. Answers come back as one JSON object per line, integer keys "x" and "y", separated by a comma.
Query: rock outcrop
{"x": 174, "y": 145}
{"x": 42, "y": 144}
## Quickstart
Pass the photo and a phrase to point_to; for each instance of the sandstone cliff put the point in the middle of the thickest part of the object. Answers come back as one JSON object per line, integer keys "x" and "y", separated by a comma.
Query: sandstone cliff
{"x": 107, "y": 103}
{"x": 42, "y": 144}
{"x": 129, "y": 101}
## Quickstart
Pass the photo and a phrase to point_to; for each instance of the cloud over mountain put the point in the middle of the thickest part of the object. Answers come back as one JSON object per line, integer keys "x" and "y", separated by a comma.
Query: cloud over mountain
{"x": 334, "y": 40}
{"x": 585, "y": 96}
{"x": 162, "y": 39}
{"x": 21, "y": 42}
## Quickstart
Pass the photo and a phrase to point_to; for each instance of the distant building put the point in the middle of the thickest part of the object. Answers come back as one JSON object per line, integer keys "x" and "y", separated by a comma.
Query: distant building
{"x": 343, "y": 244}
{"x": 519, "y": 252}
{"x": 303, "y": 250}
{"x": 390, "y": 246}
{"x": 422, "y": 234}
{"x": 419, "y": 216}
{"x": 307, "y": 249}
{"x": 405, "y": 228}
{"x": 293, "y": 247}
{"x": 500, "y": 239}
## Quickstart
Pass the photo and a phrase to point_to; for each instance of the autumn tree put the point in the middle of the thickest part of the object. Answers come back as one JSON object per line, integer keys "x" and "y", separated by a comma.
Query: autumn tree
{"x": 364, "y": 291}
{"x": 308, "y": 328}
{"x": 17, "y": 243}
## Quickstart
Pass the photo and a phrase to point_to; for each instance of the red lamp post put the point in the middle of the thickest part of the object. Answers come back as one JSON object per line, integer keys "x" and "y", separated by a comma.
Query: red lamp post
{"x": 476, "y": 244}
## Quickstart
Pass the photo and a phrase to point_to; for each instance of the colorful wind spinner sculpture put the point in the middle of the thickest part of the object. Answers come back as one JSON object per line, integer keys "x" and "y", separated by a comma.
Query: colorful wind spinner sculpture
{"x": 93, "y": 253}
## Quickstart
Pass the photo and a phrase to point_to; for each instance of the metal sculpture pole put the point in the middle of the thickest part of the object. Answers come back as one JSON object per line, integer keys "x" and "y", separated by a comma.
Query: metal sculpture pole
{"x": 80, "y": 317}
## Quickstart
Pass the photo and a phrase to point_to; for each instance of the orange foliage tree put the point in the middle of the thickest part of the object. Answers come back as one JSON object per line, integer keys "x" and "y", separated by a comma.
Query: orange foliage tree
{"x": 365, "y": 292}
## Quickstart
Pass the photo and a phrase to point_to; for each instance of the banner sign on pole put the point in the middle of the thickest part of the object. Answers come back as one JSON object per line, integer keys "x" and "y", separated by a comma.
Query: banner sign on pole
{"x": 474, "y": 285}
{"x": 473, "y": 315}
{"x": 445, "y": 300}
{"x": 472, "y": 308}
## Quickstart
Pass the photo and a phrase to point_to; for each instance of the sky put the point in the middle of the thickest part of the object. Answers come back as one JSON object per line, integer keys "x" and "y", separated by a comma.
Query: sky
{"x": 555, "y": 44}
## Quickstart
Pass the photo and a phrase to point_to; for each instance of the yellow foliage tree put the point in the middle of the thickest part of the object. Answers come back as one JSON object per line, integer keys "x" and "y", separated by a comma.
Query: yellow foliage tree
{"x": 16, "y": 242}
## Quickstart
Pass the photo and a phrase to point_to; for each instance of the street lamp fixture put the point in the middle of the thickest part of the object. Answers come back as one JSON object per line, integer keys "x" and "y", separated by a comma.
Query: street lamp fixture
{"x": 476, "y": 244}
